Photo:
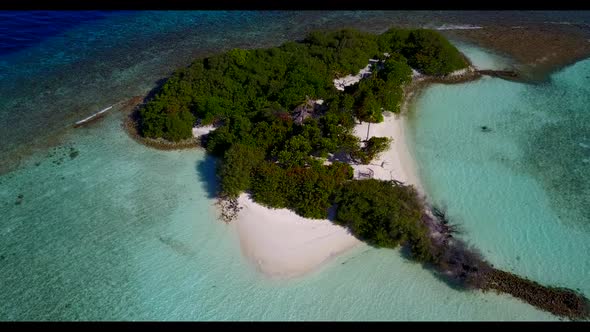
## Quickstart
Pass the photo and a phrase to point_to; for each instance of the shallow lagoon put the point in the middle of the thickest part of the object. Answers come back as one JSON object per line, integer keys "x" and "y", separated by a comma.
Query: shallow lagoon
{"x": 521, "y": 190}
{"x": 123, "y": 232}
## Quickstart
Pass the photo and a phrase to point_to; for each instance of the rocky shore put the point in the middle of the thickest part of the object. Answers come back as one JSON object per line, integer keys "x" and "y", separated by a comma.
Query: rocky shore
{"x": 459, "y": 264}
{"x": 229, "y": 208}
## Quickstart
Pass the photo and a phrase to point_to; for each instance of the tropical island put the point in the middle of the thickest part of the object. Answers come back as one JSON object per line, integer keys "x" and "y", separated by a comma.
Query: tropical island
{"x": 283, "y": 124}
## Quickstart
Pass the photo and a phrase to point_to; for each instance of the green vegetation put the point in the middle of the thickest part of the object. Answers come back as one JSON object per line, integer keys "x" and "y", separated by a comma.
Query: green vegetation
{"x": 236, "y": 170}
{"x": 373, "y": 147}
{"x": 382, "y": 90}
{"x": 242, "y": 83}
{"x": 384, "y": 214}
{"x": 431, "y": 53}
{"x": 309, "y": 191}
{"x": 273, "y": 139}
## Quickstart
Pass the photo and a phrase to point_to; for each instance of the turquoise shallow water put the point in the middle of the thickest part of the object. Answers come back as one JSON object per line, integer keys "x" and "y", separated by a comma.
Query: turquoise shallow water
{"x": 521, "y": 192}
{"x": 483, "y": 59}
{"x": 123, "y": 232}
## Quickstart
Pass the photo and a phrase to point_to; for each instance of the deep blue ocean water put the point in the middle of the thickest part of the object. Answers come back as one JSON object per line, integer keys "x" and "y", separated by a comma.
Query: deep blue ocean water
{"x": 22, "y": 29}
{"x": 126, "y": 232}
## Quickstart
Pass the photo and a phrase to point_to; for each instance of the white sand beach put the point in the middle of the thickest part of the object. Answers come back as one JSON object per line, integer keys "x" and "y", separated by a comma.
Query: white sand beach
{"x": 202, "y": 130}
{"x": 282, "y": 244}
{"x": 341, "y": 83}
{"x": 396, "y": 163}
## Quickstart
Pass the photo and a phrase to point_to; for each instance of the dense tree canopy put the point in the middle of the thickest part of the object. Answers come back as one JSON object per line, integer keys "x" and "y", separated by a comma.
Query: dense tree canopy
{"x": 431, "y": 53}
{"x": 254, "y": 96}
{"x": 309, "y": 191}
{"x": 385, "y": 214}
{"x": 236, "y": 170}
{"x": 241, "y": 83}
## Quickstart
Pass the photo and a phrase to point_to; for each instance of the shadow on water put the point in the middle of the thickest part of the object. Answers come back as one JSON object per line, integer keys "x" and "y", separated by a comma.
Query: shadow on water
{"x": 406, "y": 253}
{"x": 452, "y": 283}
{"x": 206, "y": 171}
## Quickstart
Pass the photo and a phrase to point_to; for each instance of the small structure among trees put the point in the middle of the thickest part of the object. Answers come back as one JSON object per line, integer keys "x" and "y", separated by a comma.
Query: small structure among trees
{"x": 307, "y": 109}
{"x": 369, "y": 174}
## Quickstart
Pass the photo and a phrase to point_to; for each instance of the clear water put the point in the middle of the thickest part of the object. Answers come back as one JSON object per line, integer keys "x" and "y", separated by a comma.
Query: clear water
{"x": 522, "y": 191}
{"x": 483, "y": 59}
{"x": 124, "y": 232}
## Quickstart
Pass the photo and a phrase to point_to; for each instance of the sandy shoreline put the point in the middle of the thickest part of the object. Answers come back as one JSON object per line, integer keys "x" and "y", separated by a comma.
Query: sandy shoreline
{"x": 282, "y": 244}
{"x": 396, "y": 163}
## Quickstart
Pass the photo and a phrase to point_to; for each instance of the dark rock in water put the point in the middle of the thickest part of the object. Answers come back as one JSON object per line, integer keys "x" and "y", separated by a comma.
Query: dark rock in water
{"x": 485, "y": 129}
{"x": 229, "y": 208}
{"x": 505, "y": 74}
{"x": 559, "y": 301}
{"x": 20, "y": 196}
{"x": 38, "y": 163}
{"x": 463, "y": 266}
{"x": 74, "y": 154}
